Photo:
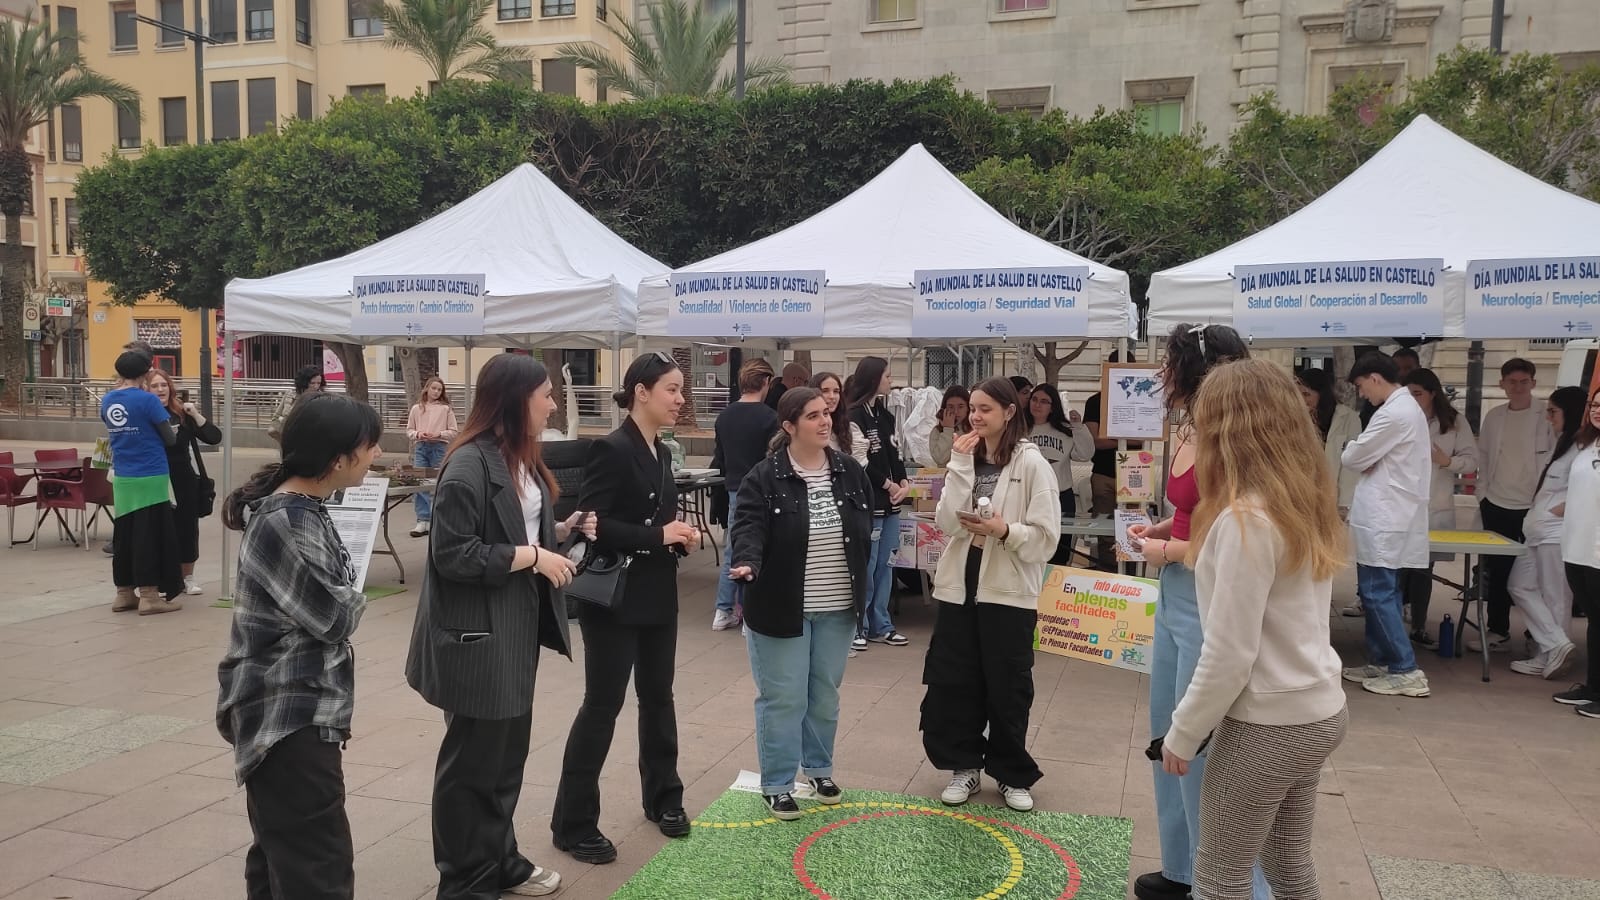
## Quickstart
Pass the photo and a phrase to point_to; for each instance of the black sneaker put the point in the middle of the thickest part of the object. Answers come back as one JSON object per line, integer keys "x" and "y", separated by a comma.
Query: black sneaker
{"x": 1424, "y": 639}
{"x": 1155, "y": 886}
{"x": 1591, "y": 710}
{"x": 783, "y": 806}
{"x": 1579, "y": 695}
{"x": 827, "y": 792}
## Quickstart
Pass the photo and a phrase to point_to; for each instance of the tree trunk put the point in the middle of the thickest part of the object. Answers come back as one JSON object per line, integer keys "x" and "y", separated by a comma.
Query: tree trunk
{"x": 1344, "y": 359}
{"x": 16, "y": 180}
{"x": 553, "y": 361}
{"x": 410, "y": 373}
{"x": 803, "y": 357}
{"x": 684, "y": 357}
{"x": 354, "y": 359}
{"x": 1052, "y": 363}
{"x": 1025, "y": 361}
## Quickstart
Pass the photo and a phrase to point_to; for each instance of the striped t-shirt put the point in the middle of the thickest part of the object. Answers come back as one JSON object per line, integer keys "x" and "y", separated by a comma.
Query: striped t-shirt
{"x": 827, "y": 587}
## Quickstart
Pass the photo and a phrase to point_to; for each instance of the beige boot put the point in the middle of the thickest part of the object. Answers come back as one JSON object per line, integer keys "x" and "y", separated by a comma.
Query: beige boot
{"x": 151, "y": 603}
{"x": 126, "y": 600}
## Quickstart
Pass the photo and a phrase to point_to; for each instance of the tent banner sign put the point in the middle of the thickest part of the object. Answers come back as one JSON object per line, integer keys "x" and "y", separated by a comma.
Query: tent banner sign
{"x": 781, "y": 304}
{"x": 1022, "y": 303}
{"x": 1534, "y": 298}
{"x": 417, "y": 305}
{"x": 1356, "y": 298}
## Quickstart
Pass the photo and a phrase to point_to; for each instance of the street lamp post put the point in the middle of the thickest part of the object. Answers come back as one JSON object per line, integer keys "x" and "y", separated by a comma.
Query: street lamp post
{"x": 200, "y": 41}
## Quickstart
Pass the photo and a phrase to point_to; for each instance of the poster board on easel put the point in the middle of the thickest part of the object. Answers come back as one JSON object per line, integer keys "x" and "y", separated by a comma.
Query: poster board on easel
{"x": 1132, "y": 402}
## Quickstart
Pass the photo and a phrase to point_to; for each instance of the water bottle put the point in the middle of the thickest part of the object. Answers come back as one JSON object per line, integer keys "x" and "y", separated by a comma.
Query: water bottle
{"x": 985, "y": 508}
{"x": 1447, "y": 637}
{"x": 674, "y": 448}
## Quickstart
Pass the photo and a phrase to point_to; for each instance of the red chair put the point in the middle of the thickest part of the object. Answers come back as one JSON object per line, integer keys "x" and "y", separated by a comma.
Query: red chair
{"x": 12, "y": 485}
{"x": 97, "y": 490}
{"x": 67, "y": 455}
{"x": 61, "y": 489}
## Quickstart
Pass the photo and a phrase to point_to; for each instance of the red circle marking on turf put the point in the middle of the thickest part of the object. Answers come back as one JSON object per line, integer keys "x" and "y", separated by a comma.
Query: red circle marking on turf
{"x": 1074, "y": 876}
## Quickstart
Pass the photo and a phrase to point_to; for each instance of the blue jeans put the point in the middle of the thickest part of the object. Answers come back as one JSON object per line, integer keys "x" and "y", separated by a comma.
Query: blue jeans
{"x": 797, "y": 697}
{"x": 428, "y": 455}
{"x": 1173, "y": 658}
{"x": 1387, "y": 644}
{"x": 880, "y": 578}
{"x": 725, "y": 586}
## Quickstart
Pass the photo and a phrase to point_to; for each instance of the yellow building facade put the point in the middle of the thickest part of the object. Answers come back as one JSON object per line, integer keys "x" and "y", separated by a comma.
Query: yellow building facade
{"x": 275, "y": 59}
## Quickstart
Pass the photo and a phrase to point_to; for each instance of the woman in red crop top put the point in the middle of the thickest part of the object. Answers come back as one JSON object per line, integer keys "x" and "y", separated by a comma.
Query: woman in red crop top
{"x": 1191, "y": 352}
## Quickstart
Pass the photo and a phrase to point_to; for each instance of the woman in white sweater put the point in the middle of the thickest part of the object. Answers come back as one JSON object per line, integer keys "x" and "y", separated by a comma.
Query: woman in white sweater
{"x": 1265, "y": 545}
{"x": 1455, "y": 453}
{"x": 1338, "y": 424}
{"x": 1001, "y": 508}
{"x": 1062, "y": 439}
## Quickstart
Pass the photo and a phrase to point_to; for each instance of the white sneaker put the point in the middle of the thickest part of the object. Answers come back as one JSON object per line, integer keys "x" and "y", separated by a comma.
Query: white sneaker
{"x": 1556, "y": 663}
{"x": 963, "y": 784}
{"x": 723, "y": 620}
{"x": 1017, "y": 798}
{"x": 1405, "y": 614}
{"x": 542, "y": 883}
{"x": 1498, "y": 643}
{"x": 1412, "y": 684}
{"x": 1360, "y": 674}
{"x": 189, "y": 587}
{"x": 1529, "y": 667}
{"x": 1355, "y": 611}
{"x": 420, "y": 529}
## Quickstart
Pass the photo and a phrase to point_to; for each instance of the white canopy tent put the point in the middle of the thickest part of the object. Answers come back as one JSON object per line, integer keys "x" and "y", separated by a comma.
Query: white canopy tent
{"x": 1428, "y": 194}
{"x": 914, "y": 215}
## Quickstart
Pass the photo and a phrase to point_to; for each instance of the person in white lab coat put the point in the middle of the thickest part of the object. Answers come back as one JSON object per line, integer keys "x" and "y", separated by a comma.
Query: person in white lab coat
{"x": 1454, "y": 454}
{"x": 1338, "y": 424}
{"x": 1538, "y": 578}
{"x": 1388, "y": 522}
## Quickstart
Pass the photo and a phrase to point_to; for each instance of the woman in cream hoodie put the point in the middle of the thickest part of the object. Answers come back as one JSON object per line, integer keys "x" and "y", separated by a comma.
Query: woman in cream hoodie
{"x": 1002, "y": 510}
{"x": 1265, "y": 545}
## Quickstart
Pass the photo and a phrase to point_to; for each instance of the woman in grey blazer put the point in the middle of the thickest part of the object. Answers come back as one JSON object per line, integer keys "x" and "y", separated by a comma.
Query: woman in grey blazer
{"x": 491, "y": 597}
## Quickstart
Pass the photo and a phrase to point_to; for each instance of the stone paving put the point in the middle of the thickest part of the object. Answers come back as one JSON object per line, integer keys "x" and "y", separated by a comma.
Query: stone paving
{"x": 114, "y": 783}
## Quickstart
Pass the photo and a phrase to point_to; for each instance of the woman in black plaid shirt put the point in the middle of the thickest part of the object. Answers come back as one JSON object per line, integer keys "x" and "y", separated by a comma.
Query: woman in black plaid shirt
{"x": 288, "y": 679}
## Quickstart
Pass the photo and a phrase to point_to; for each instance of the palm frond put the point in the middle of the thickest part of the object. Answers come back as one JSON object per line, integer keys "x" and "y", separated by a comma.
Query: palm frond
{"x": 41, "y": 70}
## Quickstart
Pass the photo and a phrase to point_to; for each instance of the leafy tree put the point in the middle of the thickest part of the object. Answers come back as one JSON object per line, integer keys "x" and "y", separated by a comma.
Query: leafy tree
{"x": 681, "y": 55}
{"x": 39, "y": 71}
{"x": 449, "y": 36}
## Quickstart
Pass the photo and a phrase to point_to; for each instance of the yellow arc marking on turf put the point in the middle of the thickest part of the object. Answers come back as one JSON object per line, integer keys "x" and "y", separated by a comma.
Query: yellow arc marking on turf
{"x": 1013, "y": 852}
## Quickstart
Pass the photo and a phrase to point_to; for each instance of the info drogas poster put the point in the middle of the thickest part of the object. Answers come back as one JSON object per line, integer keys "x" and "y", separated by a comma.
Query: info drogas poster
{"x": 1021, "y": 303}
{"x": 1097, "y": 617}
{"x": 1355, "y": 298}
{"x": 780, "y": 304}
{"x": 1533, "y": 298}
{"x": 417, "y": 305}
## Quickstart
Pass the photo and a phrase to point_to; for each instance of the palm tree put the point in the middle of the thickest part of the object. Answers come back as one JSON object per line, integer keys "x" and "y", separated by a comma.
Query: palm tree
{"x": 445, "y": 33}
{"x": 39, "y": 71}
{"x": 681, "y": 56}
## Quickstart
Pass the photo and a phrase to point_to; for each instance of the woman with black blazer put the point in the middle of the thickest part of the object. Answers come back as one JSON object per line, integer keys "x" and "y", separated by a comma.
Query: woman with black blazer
{"x": 491, "y": 597}
{"x": 872, "y": 443}
{"x": 628, "y": 484}
{"x": 186, "y": 471}
{"x": 802, "y": 538}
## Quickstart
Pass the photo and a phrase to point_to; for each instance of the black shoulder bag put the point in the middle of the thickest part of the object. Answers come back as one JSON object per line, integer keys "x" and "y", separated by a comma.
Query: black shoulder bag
{"x": 605, "y": 575}
{"x": 205, "y": 493}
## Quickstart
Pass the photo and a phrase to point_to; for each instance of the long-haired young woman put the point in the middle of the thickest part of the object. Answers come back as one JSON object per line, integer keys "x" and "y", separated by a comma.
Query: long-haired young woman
{"x": 1580, "y": 550}
{"x": 801, "y": 538}
{"x": 831, "y": 388}
{"x": 1538, "y": 578}
{"x": 185, "y": 470}
{"x": 288, "y": 677}
{"x": 1455, "y": 453}
{"x": 1265, "y": 545}
{"x": 628, "y": 484}
{"x": 1001, "y": 507}
{"x": 953, "y": 411}
{"x": 1337, "y": 424}
{"x": 1191, "y": 352}
{"x": 1063, "y": 440}
{"x": 430, "y": 426}
{"x": 491, "y": 598}
{"x": 872, "y": 443}
{"x": 743, "y": 430}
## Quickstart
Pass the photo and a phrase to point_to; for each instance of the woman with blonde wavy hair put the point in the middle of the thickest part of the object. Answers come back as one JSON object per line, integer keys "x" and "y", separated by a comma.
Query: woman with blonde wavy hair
{"x": 1265, "y": 544}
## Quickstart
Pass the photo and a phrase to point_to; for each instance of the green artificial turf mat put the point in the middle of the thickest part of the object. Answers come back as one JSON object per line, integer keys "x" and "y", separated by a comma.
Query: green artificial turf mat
{"x": 878, "y": 846}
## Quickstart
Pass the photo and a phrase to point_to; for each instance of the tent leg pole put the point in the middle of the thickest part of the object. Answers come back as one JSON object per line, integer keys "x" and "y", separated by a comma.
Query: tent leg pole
{"x": 468, "y": 348}
{"x": 227, "y": 453}
{"x": 616, "y": 378}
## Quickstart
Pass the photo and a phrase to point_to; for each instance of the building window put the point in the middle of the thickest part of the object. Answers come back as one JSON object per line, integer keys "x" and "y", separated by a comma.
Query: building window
{"x": 517, "y": 71}
{"x": 1033, "y": 101}
{"x": 600, "y": 10}
{"x": 50, "y": 136}
{"x": 72, "y": 133}
{"x": 174, "y": 121}
{"x": 557, "y": 76}
{"x": 258, "y": 20}
{"x": 124, "y": 27}
{"x": 128, "y": 137}
{"x": 894, "y": 10}
{"x": 302, "y": 100}
{"x": 67, "y": 21}
{"x": 364, "y": 19}
{"x": 366, "y": 91}
{"x": 1380, "y": 79}
{"x": 27, "y": 200}
{"x": 551, "y": 8}
{"x": 72, "y": 226}
{"x": 224, "y": 111}
{"x": 55, "y": 227}
{"x": 1161, "y": 105}
{"x": 261, "y": 96}
{"x": 1007, "y": 6}
{"x": 165, "y": 337}
{"x": 599, "y": 92}
{"x": 171, "y": 14}
{"x": 225, "y": 20}
{"x": 302, "y": 21}
{"x": 515, "y": 9}
{"x": 716, "y": 9}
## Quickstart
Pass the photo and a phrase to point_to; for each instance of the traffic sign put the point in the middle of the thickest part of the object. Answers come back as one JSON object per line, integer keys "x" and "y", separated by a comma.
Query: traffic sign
{"x": 60, "y": 307}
